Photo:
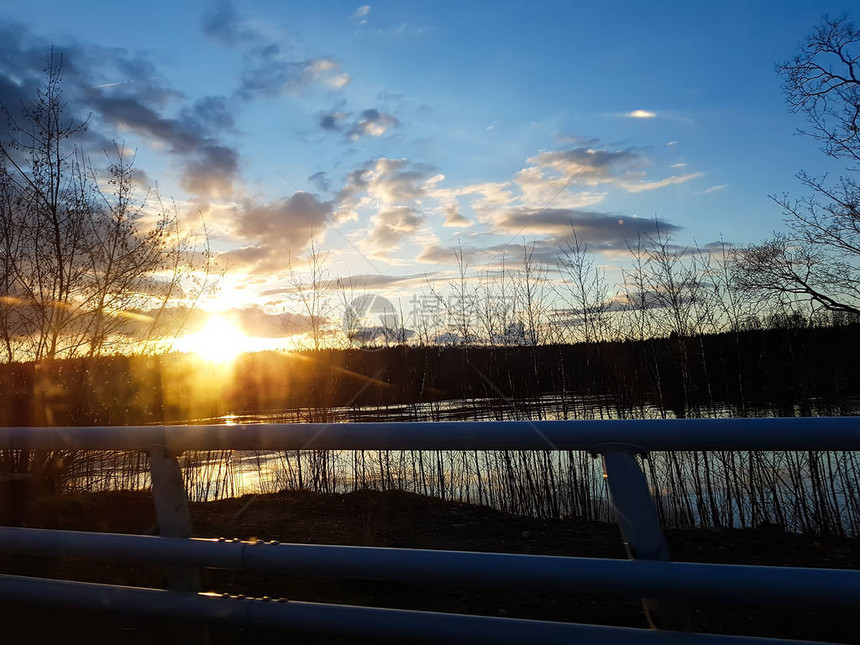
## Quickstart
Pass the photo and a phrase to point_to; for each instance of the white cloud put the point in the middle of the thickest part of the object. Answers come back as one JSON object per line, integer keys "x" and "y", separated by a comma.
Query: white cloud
{"x": 393, "y": 181}
{"x": 388, "y": 228}
{"x": 641, "y": 114}
{"x": 484, "y": 199}
{"x": 586, "y": 165}
{"x": 372, "y": 123}
{"x": 270, "y": 231}
{"x": 270, "y": 69}
{"x": 399, "y": 200}
{"x": 661, "y": 183}
{"x": 453, "y": 217}
{"x": 714, "y": 189}
{"x": 321, "y": 65}
{"x": 394, "y": 189}
{"x": 338, "y": 81}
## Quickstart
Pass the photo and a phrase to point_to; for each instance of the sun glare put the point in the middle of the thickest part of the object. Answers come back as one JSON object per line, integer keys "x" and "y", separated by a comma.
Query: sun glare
{"x": 219, "y": 341}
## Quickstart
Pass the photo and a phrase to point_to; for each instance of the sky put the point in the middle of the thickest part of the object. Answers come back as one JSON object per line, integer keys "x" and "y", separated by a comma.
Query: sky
{"x": 392, "y": 133}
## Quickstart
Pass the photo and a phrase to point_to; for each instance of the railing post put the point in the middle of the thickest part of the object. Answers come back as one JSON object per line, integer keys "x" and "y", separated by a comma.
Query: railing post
{"x": 174, "y": 520}
{"x": 171, "y": 510}
{"x": 640, "y": 526}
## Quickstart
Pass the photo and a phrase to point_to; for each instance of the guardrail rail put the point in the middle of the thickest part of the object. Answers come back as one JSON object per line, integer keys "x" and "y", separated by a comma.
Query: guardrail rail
{"x": 663, "y": 585}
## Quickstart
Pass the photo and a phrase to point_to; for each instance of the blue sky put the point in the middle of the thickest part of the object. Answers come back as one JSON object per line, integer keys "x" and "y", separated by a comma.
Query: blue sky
{"x": 393, "y": 131}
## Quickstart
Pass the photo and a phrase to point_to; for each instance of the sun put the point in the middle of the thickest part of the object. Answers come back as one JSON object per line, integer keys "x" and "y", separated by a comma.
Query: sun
{"x": 220, "y": 341}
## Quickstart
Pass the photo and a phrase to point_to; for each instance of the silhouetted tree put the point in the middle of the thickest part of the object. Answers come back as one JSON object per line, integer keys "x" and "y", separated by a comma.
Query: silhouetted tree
{"x": 584, "y": 290}
{"x": 823, "y": 81}
{"x": 532, "y": 296}
{"x": 84, "y": 269}
{"x": 313, "y": 290}
{"x": 817, "y": 259}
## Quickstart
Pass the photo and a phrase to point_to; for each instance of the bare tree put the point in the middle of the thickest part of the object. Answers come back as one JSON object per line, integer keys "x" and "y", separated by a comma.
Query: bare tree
{"x": 674, "y": 283}
{"x": 132, "y": 268}
{"x": 459, "y": 302}
{"x": 817, "y": 259}
{"x": 735, "y": 308}
{"x": 188, "y": 273}
{"x": 584, "y": 290}
{"x": 82, "y": 273}
{"x": 791, "y": 272}
{"x": 348, "y": 295}
{"x": 634, "y": 290}
{"x": 823, "y": 81}
{"x": 312, "y": 290}
{"x": 491, "y": 310}
{"x": 49, "y": 210}
{"x": 395, "y": 330}
{"x": 11, "y": 322}
{"x": 532, "y": 297}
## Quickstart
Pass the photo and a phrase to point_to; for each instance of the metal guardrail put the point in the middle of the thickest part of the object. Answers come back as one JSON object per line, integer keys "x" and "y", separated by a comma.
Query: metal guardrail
{"x": 801, "y": 587}
{"x": 648, "y": 574}
{"x": 367, "y": 624}
{"x": 797, "y": 433}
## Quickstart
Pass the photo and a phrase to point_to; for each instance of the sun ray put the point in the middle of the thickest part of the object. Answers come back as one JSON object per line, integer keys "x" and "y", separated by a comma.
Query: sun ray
{"x": 220, "y": 341}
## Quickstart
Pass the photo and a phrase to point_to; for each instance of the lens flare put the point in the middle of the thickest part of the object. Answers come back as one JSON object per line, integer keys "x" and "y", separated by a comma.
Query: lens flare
{"x": 220, "y": 341}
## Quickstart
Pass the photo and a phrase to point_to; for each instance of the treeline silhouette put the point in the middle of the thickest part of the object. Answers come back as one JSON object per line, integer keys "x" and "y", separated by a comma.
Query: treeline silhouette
{"x": 761, "y": 371}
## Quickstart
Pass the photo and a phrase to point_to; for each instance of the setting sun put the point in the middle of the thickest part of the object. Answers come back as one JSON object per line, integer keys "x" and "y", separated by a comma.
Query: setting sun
{"x": 219, "y": 341}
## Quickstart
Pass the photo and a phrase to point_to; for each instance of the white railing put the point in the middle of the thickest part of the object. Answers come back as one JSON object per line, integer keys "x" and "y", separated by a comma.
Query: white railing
{"x": 649, "y": 574}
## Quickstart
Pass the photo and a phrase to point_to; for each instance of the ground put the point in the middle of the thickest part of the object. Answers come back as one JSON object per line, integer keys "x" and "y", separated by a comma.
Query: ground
{"x": 398, "y": 519}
